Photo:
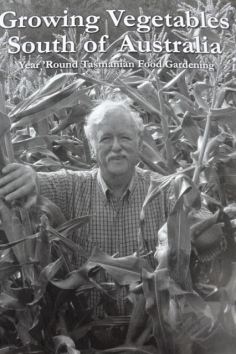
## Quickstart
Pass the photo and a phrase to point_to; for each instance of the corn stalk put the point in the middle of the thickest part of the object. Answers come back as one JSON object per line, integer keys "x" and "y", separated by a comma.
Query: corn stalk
{"x": 15, "y": 220}
{"x": 165, "y": 130}
{"x": 207, "y": 129}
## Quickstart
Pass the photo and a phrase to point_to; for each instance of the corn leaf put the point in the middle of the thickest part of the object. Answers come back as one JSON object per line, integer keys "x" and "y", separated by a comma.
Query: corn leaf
{"x": 157, "y": 185}
{"x": 53, "y": 85}
{"x": 67, "y": 242}
{"x": 196, "y": 320}
{"x": 56, "y": 82}
{"x": 14, "y": 231}
{"x": 129, "y": 349}
{"x": 21, "y": 350}
{"x": 5, "y": 246}
{"x": 75, "y": 279}
{"x": 149, "y": 92}
{"x": 50, "y": 271}
{"x": 185, "y": 103}
{"x": 47, "y": 164}
{"x": 225, "y": 116}
{"x": 213, "y": 145}
{"x": 140, "y": 326}
{"x": 8, "y": 302}
{"x": 190, "y": 130}
{"x": 45, "y": 276}
{"x": 42, "y": 141}
{"x": 150, "y": 152}
{"x": 6, "y": 270}
{"x": 146, "y": 155}
{"x": 223, "y": 113}
{"x": 199, "y": 89}
{"x": 73, "y": 224}
{"x": 4, "y": 123}
{"x": 173, "y": 81}
{"x": 179, "y": 240}
{"x": 207, "y": 238}
{"x": 157, "y": 306}
{"x": 110, "y": 321}
{"x": 42, "y": 249}
{"x": 132, "y": 80}
{"x": 124, "y": 270}
{"x": 137, "y": 97}
{"x": 51, "y": 210}
{"x": 65, "y": 98}
{"x": 202, "y": 221}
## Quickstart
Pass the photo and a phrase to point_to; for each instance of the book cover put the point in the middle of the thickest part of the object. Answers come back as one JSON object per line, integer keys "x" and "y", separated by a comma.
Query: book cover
{"x": 173, "y": 65}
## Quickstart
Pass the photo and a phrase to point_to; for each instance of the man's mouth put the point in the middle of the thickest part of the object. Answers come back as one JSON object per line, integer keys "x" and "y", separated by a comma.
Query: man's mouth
{"x": 117, "y": 158}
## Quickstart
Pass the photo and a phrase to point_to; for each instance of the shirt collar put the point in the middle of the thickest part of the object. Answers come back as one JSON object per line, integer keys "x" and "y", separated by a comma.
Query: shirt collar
{"x": 105, "y": 188}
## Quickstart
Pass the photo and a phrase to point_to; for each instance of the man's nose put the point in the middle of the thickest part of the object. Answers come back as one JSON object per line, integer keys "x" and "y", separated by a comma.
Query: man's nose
{"x": 116, "y": 144}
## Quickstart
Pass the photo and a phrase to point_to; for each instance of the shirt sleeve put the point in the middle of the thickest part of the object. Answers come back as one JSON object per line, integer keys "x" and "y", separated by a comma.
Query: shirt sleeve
{"x": 60, "y": 187}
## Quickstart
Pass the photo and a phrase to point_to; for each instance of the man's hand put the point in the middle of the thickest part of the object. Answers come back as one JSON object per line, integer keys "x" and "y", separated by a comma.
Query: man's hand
{"x": 18, "y": 181}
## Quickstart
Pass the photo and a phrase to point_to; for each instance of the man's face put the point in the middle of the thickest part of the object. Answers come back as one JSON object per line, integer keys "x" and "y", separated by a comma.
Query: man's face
{"x": 117, "y": 144}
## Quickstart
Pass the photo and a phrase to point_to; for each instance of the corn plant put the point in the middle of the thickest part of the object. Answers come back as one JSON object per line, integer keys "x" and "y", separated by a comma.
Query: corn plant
{"x": 189, "y": 140}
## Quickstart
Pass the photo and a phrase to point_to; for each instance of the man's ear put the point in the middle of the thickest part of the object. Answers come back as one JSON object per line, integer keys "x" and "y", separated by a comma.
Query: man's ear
{"x": 92, "y": 148}
{"x": 93, "y": 151}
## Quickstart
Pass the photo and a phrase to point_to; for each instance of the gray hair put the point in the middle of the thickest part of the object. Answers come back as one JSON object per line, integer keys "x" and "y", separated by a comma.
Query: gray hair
{"x": 99, "y": 113}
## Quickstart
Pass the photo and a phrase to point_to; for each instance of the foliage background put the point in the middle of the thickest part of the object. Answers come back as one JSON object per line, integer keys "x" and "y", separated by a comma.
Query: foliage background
{"x": 188, "y": 301}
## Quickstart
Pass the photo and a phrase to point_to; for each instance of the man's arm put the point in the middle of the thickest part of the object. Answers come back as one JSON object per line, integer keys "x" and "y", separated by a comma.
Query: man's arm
{"x": 21, "y": 181}
{"x": 62, "y": 188}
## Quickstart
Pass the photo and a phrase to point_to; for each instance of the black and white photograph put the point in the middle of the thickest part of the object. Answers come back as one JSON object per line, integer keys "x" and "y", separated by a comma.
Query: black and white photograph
{"x": 117, "y": 177}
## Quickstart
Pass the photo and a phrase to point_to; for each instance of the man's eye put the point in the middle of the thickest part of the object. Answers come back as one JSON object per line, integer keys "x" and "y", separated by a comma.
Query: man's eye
{"x": 125, "y": 138}
{"x": 105, "y": 139}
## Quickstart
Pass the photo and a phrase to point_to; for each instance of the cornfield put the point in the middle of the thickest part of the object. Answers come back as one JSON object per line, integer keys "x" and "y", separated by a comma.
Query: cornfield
{"x": 189, "y": 140}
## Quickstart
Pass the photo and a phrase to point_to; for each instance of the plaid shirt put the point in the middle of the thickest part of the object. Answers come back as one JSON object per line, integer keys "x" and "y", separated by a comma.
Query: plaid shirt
{"x": 114, "y": 223}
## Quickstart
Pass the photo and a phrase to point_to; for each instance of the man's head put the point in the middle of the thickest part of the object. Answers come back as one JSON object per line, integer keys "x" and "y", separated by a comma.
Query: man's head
{"x": 114, "y": 132}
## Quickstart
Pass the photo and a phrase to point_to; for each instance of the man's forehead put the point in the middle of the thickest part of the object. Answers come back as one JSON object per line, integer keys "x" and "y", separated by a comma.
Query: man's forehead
{"x": 116, "y": 115}
{"x": 118, "y": 111}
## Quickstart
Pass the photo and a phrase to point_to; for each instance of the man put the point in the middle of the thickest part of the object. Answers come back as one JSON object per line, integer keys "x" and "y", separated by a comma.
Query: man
{"x": 112, "y": 194}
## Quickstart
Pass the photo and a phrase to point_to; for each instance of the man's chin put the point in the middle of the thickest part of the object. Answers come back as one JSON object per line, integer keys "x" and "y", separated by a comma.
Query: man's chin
{"x": 118, "y": 164}
{"x": 118, "y": 170}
